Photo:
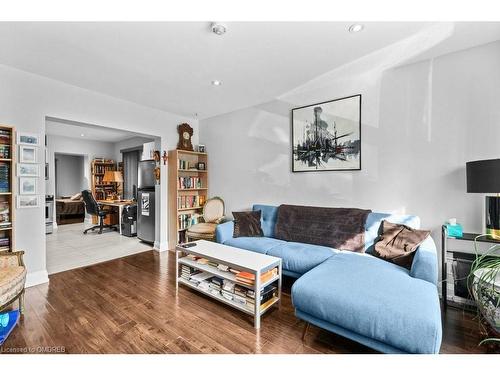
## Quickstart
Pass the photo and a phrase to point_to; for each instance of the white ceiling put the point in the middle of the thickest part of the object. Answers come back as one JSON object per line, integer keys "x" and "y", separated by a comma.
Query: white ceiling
{"x": 72, "y": 129}
{"x": 170, "y": 65}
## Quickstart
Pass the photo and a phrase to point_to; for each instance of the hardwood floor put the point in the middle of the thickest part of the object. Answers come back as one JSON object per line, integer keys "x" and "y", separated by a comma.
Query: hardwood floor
{"x": 128, "y": 305}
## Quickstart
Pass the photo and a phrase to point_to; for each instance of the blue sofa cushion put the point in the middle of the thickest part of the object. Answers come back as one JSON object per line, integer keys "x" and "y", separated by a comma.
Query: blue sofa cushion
{"x": 372, "y": 298}
{"x": 258, "y": 244}
{"x": 300, "y": 257}
{"x": 267, "y": 218}
{"x": 374, "y": 219}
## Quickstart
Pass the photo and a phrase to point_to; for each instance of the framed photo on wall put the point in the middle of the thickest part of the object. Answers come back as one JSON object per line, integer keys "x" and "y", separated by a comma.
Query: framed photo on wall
{"x": 27, "y": 170}
{"x": 28, "y": 154}
{"x": 327, "y": 136}
{"x": 28, "y": 139}
{"x": 28, "y": 201}
{"x": 27, "y": 185}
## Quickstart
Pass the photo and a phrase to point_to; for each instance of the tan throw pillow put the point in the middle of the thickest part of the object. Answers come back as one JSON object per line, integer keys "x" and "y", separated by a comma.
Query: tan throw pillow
{"x": 397, "y": 243}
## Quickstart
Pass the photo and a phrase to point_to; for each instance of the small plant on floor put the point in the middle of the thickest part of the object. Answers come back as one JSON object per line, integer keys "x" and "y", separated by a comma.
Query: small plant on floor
{"x": 484, "y": 286}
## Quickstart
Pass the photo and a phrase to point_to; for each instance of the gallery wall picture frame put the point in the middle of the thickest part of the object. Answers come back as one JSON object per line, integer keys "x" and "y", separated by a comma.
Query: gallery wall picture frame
{"x": 28, "y": 170}
{"x": 326, "y": 136}
{"x": 28, "y": 201}
{"x": 28, "y": 139}
{"x": 28, "y": 154}
{"x": 28, "y": 186}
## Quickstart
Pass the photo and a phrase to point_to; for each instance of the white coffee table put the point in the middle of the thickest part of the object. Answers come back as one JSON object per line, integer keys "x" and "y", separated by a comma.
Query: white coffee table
{"x": 236, "y": 258}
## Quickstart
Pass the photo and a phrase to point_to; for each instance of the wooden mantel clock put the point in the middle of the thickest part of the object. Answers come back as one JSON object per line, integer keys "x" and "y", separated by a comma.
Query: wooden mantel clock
{"x": 185, "y": 134}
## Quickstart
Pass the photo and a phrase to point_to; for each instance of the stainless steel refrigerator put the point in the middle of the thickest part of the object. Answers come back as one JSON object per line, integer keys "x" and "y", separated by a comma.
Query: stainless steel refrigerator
{"x": 146, "y": 201}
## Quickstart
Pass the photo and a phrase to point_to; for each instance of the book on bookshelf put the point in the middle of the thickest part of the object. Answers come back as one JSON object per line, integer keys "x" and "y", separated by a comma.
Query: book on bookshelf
{"x": 189, "y": 183}
{"x": 186, "y": 220}
{"x": 190, "y": 201}
{"x": 4, "y": 177}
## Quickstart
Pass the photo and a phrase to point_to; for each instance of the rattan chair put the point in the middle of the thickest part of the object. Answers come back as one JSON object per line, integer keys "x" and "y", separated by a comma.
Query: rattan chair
{"x": 12, "y": 279}
{"x": 213, "y": 214}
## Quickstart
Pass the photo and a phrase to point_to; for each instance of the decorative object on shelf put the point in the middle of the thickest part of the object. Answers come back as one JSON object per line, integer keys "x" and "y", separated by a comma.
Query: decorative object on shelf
{"x": 157, "y": 174}
{"x": 327, "y": 136}
{"x": 156, "y": 156}
{"x": 185, "y": 133}
{"x": 165, "y": 157}
{"x": 483, "y": 176}
{"x": 28, "y": 139}
{"x": 484, "y": 286}
{"x": 28, "y": 185}
{"x": 28, "y": 201}
{"x": 28, "y": 154}
{"x": 27, "y": 170}
{"x": 201, "y": 148}
{"x": 201, "y": 166}
{"x": 454, "y": 229}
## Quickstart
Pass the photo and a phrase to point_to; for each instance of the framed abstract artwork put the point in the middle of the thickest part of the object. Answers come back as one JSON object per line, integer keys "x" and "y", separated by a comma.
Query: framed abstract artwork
{"x": 327, "y": 136}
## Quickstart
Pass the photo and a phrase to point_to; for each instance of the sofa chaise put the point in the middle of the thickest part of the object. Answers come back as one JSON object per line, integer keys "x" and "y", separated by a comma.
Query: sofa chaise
{"x": 379, "y": 304}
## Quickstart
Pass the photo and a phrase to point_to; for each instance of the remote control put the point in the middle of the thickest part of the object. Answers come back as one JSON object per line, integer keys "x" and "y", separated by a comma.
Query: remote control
{"x": 189, "y": 245}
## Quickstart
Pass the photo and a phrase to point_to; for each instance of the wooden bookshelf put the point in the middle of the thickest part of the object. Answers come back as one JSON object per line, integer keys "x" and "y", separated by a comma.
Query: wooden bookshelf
{"x": 182, "y": 200}
{"x": 99, "y": 189}
{"x": 7, "y": 187}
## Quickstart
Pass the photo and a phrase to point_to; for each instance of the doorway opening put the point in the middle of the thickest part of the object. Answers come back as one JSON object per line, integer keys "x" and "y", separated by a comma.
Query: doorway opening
{"x": 92, "y": 188}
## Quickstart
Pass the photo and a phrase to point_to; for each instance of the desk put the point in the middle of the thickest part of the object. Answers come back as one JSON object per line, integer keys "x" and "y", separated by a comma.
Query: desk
{"x": 120, "y": 205}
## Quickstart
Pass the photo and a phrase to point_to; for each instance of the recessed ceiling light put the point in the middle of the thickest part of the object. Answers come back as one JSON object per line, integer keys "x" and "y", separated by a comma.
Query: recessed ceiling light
{"x": 356, "y": 28}
{"x": 218, "y": 28}
{"x": 82, "y": 135}
{"x": 216, "y": 82}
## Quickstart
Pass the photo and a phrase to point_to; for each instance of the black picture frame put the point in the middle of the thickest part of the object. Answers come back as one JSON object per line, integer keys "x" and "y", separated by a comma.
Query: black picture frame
{"x": 353, "y": 148}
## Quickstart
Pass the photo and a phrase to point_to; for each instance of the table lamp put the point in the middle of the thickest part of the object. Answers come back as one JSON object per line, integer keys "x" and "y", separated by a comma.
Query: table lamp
{"x": 483, "y": 176}
{"x": 113, "y": 177}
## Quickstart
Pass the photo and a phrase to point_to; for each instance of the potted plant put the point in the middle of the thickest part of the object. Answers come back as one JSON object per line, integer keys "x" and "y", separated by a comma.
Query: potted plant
{"x": 484, "y": 286}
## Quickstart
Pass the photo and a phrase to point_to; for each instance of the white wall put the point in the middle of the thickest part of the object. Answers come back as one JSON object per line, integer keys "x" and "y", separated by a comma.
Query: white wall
{"x": 90, "y": 149}
{"x": 420, "y": 124}
{"x": 69, "y": 171}
{"x": 129, "y": 143}
{"x": 26, "y": 99}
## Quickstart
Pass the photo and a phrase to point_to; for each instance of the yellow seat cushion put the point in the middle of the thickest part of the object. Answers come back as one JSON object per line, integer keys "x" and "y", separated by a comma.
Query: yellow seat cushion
{"x": 203, "y": 228}
{"x": 12, "y": 280}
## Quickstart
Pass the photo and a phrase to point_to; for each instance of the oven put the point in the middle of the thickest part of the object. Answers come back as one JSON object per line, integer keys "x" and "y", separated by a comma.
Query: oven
{"x": 49, "y": 214}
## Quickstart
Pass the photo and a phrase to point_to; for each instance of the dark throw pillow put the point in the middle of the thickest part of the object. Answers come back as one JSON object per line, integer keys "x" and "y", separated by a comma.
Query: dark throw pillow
{"x": 247, "y": 224}
{"x": 397, "y": 243}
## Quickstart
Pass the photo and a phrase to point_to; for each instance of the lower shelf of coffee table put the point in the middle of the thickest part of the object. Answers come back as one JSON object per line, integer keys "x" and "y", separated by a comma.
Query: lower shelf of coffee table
{"x": 264, "y": 307}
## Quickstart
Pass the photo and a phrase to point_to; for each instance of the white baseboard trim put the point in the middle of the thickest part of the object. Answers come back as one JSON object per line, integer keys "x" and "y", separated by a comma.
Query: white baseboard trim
{"x": 161, "y": 247}
{"x": 36, "y": 278}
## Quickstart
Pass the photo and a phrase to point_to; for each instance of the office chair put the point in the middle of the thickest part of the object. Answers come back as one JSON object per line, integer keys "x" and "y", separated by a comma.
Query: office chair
{"x": 93, "y": 208}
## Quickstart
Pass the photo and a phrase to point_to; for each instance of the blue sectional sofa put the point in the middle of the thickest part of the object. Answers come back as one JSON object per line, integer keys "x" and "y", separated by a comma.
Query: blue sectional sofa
{"x": 356, "y": 295}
